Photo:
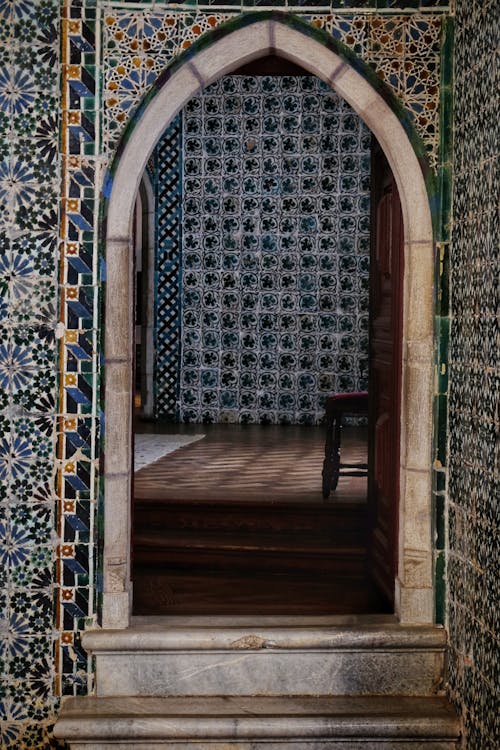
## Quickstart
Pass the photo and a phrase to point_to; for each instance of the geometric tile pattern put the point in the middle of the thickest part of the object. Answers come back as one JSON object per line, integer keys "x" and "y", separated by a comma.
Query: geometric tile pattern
{"x": 79, "y": 409}
{"x": 474, "y": 464}
{"x": 404, "y": 50}
{"x": 275, "y": 260}
{"x": 168, "y": 216}
{"x": 29, "y": 203}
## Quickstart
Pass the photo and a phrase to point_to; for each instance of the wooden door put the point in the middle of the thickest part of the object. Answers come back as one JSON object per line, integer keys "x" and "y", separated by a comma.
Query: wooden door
{"x": 386, "y": 285}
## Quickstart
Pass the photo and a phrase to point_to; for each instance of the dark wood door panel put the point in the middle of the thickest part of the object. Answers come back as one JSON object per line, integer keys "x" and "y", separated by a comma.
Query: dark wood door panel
{"x": 386, "y": 285}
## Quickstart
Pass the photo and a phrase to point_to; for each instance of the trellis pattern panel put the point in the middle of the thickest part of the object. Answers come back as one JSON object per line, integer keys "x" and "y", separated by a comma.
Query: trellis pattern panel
{"x": 275, "y": 258}
{"x": 168, "y": 217}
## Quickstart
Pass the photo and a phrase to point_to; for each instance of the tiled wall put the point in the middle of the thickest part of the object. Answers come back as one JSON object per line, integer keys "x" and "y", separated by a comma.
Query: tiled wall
{"x": 71, "y": 76}
{"x": 275, "y": 252}
{"x": 29, "y": 201}
{"x": 474, "y": 481}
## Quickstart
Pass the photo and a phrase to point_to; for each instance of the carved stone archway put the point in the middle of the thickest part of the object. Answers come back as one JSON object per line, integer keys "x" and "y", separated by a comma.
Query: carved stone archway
{"x": 221, "y": 53}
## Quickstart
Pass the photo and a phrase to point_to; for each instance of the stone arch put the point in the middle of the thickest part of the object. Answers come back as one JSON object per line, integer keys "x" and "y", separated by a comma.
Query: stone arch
{"x": 221, "y": 51}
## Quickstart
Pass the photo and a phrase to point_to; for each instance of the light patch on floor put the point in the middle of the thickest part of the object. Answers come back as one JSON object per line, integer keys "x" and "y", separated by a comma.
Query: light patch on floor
{"x": 270, "y": 463}
{"x": 149, "y": 448}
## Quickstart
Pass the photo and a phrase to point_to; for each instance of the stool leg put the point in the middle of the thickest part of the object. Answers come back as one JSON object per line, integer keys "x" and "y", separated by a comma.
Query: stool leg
{"x": 328, "y": 463}
{"x": 337, "y": 431}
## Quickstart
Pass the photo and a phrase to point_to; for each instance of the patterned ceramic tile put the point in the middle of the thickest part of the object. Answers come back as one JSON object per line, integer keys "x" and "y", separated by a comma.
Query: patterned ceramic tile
{"x": 474, "y": 482}
{"x": 276, "y": 237}
{"x": 29, "y": 197}
{"x": 402, "y": 49}
{"x": 53, "y": 139}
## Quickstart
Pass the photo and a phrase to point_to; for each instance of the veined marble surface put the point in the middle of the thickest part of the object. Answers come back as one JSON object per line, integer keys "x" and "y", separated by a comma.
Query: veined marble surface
{"x": 257, "y": 723}
{"x": 149, "y": 448}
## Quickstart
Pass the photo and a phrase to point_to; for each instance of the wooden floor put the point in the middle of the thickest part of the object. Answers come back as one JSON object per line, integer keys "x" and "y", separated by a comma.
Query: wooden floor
{"x": 235, "y": 523}
{"x": 275, "y": 463}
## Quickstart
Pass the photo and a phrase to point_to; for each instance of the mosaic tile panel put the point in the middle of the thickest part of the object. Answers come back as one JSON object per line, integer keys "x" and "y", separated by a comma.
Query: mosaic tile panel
{"x": 404, "y": 50}
{"x": 325, "y": 5}
{"x": 40, "y": 417}
{"x": 474, "y": 480}
{"x": 275, "y": 250}
{"x": 80, "y": 278}
{"x": 168, "y": 198}
{"x": 29, "y": 197}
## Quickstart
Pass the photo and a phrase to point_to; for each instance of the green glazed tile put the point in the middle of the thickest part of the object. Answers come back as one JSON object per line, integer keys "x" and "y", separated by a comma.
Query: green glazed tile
{"x": 441, "y": 411}
{"x": 440, "y": 587}
{"x": 439, "y": 510}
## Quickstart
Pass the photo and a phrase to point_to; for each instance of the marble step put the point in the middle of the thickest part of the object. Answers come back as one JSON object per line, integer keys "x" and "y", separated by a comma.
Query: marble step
{"x": 236, "y": 723}
{"x": 253, "y": 658}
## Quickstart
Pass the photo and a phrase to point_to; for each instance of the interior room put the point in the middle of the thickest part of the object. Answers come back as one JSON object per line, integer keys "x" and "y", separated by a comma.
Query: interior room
{"x": 253, "y": 235}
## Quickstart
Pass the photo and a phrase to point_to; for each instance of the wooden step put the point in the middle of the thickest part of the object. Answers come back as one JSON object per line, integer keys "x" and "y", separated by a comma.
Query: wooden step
{"x": 341, "y": 553}
{"x": 340, "y": 542}
{"x": 240, "y": 592}
{"x": 255, "y": 723}
{"x": 253, "y": 516}
{"x": 253, "y": 556}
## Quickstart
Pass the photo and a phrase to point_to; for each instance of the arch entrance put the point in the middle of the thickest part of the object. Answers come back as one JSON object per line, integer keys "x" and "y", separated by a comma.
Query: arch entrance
{"x": 413, "y": 583}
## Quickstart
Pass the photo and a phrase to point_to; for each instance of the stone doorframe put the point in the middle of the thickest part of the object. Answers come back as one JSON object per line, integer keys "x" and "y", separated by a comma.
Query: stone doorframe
{"x": 414, "y": 594}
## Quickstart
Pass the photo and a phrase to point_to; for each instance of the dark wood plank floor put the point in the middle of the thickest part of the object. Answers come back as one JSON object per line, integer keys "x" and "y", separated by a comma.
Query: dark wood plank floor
{"x": 236, "y": 524}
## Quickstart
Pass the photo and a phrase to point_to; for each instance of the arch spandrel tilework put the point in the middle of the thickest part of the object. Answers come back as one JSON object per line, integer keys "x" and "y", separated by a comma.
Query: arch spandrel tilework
{"x": 404, "y": 51}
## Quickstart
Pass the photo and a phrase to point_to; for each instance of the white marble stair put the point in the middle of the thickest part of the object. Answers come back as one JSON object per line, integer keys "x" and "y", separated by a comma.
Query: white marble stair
{"x": 268, "y": 657}
{"x": 267, "y": 683}
{"x": 236, "y": 723}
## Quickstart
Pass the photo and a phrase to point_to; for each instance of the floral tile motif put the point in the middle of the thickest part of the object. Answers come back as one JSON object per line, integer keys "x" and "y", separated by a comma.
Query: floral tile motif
{"x": 276, "y": 230}
{"x": 29, "y": 198}
{"x": 140, "y": 44}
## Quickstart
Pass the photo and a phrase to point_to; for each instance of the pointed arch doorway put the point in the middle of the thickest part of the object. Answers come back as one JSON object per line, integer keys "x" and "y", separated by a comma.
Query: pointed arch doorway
{"x": 413, "y": 582}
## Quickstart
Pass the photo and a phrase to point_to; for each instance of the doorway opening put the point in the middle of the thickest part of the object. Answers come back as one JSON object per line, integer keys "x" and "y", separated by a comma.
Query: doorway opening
{"x": 261, "y": 286}
{"x": 243, "y": 41}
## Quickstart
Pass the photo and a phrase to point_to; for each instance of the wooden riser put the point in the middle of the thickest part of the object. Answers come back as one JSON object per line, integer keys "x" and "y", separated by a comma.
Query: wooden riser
{"x": 344, "y": 563}
{"x": 243, "y": 558}
{"x": 235, "y": 593}
{"x": 249, "y": 516}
